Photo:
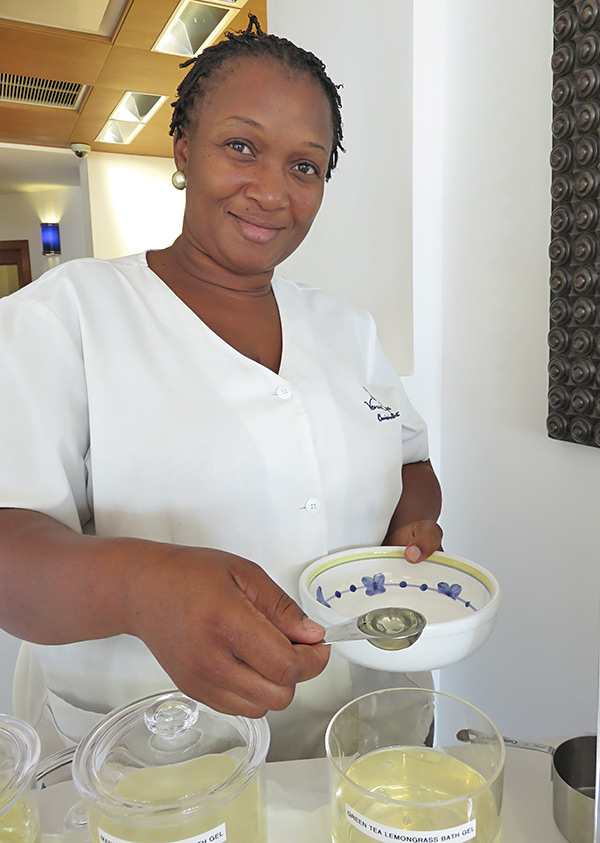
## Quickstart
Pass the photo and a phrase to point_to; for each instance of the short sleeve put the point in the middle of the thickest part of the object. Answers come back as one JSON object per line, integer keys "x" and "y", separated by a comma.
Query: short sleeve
{"x": 415, "y": 444}
{"x": 44, "y": 436}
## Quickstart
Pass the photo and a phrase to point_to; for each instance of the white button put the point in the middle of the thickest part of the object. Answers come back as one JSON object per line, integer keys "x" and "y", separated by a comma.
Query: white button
{"x": 284, "y": 392}
{"x": 313, "y": 505}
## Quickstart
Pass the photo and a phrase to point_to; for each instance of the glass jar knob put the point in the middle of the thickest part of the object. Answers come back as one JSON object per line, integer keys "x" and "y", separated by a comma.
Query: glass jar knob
{"x": 171, "y": 718}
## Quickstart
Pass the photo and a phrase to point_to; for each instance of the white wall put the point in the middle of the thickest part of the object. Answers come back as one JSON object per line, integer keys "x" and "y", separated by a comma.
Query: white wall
{"x": 515, "y": 501}
{"x": 133, "y": 204}
{"x": 22, "y": 213}
{"x": 360, "y": 246}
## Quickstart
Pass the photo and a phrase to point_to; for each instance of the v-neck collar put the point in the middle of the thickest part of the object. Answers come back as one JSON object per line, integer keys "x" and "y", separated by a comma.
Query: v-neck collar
{"x": 278, "y": 288}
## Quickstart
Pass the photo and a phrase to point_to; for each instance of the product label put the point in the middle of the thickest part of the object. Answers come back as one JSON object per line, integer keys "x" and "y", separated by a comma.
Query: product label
{"x": 386, "y": 832}
{"x": 215, "y": 835}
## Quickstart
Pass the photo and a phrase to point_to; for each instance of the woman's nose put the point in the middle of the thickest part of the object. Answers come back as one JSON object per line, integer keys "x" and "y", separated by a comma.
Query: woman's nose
{"x": 268, "y": 186}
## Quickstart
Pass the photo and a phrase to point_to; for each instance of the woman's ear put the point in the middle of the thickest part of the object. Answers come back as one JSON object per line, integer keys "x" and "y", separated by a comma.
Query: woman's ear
{"x": 180, "y": 149}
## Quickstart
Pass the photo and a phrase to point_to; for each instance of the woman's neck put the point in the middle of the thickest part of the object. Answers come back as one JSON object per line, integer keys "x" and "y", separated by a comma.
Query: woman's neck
{"x": 190, "y": 272}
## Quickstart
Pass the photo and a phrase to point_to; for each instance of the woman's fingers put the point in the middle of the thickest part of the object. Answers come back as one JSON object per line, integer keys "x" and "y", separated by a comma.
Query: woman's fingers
{"x": 235, "y": 687}
{"x": 277, "y": 606}
{"x": 225, "y": 632}
{"x": 421, "y": 539}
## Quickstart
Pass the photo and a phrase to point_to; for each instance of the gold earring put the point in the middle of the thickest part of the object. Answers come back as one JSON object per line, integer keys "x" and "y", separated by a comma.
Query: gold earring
{"x": 179, "y": 180}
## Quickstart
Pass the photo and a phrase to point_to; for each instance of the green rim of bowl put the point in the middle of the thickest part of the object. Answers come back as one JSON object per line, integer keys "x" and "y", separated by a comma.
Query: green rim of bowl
{"x": 445, "y": 561}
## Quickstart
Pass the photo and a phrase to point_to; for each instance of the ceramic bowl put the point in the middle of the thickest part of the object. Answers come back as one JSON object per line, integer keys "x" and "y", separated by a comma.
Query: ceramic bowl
{"x": 458, "y": 598}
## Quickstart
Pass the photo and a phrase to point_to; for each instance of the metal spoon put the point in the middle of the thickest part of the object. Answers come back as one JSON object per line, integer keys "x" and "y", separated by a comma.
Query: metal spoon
{"x": 389, "y": 629}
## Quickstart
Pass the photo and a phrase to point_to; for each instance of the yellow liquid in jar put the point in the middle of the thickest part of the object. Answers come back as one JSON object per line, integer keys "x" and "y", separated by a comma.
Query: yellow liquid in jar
{"x": 19, "y": 824}
{"x": 244, "y": 815}
{"x": 414, "y": 775}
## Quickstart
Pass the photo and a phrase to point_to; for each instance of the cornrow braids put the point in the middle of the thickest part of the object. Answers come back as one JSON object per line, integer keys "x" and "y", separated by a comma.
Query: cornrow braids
{"x": 253, "y": 42}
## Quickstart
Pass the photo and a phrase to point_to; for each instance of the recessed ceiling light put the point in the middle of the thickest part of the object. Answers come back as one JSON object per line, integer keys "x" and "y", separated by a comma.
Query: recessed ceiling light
{"x": 118, "y": 131}
{"x": 195, "y": 24}
{"x": 133, "y": 110}
{"x": 136, "y": 107}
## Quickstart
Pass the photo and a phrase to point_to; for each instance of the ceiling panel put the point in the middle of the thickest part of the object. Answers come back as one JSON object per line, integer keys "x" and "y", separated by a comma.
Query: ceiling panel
{"x": 154, "y": 73}
{"x": 143, "y": 23}
{"x": 37, "y": 125}
{"x": 65, "y": 14}
{"x": 51, "y": 55}
{"x": 110, "y": 66}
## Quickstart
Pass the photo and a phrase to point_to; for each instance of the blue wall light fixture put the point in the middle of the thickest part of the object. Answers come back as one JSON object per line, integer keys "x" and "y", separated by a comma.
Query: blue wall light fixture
{"x": 50, "y": 238}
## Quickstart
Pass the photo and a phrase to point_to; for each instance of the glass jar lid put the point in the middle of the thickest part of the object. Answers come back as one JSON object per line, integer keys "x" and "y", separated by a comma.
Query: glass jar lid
{"x": 167, "y": 753}
{"x": 19, "y": 755}
{"x": 61, "y": 810}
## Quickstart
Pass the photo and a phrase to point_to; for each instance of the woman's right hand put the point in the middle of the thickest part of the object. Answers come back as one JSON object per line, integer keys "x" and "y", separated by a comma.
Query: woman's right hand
{"x": 225, "y": 633}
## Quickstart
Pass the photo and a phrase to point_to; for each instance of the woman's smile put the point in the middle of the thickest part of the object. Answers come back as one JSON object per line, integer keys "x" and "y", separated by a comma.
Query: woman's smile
{"x": 256, "y": 231}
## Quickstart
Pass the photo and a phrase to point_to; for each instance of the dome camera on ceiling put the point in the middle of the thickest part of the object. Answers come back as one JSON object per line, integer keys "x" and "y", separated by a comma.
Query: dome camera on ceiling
{"x": 81, "y": 150}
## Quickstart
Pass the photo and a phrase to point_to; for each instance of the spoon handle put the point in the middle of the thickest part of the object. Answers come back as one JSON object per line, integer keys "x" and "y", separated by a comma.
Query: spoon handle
{"x": 473, "y": 736}
{"x": 345, "y": 631}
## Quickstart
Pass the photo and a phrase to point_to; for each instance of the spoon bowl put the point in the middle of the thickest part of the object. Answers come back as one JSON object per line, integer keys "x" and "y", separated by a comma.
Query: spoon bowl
{"x": 389, "y": 628}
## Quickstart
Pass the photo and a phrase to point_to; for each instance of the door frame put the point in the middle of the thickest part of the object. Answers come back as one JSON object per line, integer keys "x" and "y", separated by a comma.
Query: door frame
{"x": 8, "y": 248}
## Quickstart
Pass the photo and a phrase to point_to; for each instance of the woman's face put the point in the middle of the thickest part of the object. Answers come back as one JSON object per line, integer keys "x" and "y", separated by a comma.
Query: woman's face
{"x": 255, "y": 159}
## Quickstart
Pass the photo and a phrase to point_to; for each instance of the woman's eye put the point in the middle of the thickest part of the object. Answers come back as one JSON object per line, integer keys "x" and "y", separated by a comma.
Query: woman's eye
{"x": 307, "y": 169}
{"x": 240, "y": 146}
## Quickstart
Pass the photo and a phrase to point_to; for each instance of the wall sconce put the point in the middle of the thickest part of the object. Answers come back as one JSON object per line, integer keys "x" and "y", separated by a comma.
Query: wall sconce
{"x": 50, "y": 238}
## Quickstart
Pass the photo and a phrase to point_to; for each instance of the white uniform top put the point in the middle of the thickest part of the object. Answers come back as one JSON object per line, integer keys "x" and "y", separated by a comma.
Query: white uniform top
{"x": 125, "y": 415}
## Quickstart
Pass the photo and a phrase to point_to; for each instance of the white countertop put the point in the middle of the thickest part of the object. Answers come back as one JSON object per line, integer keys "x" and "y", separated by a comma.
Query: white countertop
{"x": 298, "y": 800}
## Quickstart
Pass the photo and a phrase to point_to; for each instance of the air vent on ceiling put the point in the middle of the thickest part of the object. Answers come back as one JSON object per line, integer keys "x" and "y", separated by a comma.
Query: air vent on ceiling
{"x": 33, "y": 91}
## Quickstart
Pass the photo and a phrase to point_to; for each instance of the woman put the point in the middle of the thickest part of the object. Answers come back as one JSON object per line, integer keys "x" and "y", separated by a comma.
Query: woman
{"x": 177, "y": 414}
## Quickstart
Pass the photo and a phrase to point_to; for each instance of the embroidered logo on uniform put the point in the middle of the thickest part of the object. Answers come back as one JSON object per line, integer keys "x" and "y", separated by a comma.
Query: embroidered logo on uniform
{"x": 383, "y": 413}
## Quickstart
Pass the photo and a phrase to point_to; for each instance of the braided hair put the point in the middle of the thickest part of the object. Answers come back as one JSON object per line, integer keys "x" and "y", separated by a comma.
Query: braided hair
{"x": 253, "y": 42}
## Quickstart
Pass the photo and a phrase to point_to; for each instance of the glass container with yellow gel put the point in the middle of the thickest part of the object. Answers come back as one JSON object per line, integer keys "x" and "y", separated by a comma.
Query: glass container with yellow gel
{"x": 19, "y": 755}
{"x": 401, "y": 769}
{"x": 167, "y": 769}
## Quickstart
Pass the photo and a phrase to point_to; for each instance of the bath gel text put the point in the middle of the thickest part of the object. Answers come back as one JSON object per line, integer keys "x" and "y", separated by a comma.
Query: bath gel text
{"x": 387, "y": 833}
{"x": 215, "y": 835}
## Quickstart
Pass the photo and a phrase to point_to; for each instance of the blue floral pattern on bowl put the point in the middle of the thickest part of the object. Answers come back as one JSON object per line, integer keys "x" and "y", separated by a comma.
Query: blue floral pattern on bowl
{"x": 377, "y": 585}
{"x": 374, "y": 585}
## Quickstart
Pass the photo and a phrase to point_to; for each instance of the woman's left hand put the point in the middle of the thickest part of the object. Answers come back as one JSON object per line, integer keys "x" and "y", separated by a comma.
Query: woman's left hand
{"x": 421, "y": 539}
{"x": 414, "y": 522}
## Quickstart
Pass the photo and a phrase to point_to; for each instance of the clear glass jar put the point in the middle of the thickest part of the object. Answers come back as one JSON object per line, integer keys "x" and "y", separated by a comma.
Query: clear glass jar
{"x": 167, "y": 769}
{"x": 416, "y": 765}
{"x": 63, "y": 818}
{"x": 19, "y": 755}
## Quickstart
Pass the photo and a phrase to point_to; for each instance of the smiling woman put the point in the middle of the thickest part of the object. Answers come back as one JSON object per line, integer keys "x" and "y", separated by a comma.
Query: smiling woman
{"x": 188, "y": 430}
{"x": 255, "y": 176}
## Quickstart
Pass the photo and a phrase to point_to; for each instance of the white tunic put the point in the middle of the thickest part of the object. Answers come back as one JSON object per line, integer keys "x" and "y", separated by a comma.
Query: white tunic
{"x": 125, "y": 415}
